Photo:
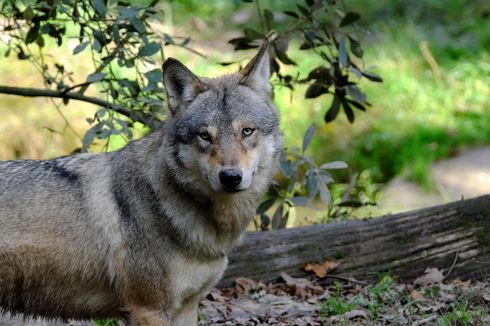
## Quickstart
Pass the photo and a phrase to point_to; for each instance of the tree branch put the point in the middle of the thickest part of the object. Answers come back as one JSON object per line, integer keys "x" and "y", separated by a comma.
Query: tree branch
{"x": 35, "y": 92}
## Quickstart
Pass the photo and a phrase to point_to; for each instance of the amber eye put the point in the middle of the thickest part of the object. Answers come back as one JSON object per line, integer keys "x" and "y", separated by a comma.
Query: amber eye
{"x": 205, "y": 136}
{"x": 246, "y": 132}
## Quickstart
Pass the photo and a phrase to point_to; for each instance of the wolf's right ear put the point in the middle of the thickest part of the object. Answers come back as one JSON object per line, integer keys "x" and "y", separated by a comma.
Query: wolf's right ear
{"x": 257, "y": 72}
{"x": 181, "y": 85}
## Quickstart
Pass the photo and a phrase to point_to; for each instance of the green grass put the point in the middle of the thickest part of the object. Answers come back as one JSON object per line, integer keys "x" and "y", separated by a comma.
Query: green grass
{"x": 461, "y": 314}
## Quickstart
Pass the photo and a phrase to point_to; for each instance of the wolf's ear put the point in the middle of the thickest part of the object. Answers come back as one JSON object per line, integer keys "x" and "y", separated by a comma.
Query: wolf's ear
{"x": 257, "y": 72}
{"x": 180, "y": 83}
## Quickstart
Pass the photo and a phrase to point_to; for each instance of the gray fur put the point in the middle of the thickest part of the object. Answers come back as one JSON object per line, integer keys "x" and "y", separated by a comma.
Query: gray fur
{"x": 141, "y": 234}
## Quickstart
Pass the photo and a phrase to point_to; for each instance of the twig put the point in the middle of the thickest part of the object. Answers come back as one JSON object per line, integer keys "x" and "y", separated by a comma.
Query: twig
{"x": 36, "y": 92}
{"x": 427, "y": 54}
{"x": 452, "y": 266}
{"x": 424, "y": 321}
{"x": 347, "y": 279}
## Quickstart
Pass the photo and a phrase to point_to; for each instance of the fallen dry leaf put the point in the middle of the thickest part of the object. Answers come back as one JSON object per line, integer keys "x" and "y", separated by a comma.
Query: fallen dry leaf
{"x": 464, "y": 284}
{"x": 321, "y": 270}
{"x": 416, "y": 295}
{"x": 431, "y": 276}
{"x": 300, "y": 285}
{"x": 356, "y": 313}
{"x": 214, "y": 296}
{"x": 243, "y": 284}
{"x": 486, "y": 295}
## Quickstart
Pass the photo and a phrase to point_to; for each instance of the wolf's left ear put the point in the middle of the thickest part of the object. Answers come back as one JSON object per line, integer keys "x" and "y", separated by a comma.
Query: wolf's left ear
{"x": 257, "y": 72}
{"x": 181, "y": 85}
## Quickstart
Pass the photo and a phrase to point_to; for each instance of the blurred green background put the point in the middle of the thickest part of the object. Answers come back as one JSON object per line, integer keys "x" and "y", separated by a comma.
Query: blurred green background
{"x": 435, "y": 99}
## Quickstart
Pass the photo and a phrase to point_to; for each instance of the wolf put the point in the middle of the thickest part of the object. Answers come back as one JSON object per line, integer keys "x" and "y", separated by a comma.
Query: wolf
{"x": 142, "y": 234}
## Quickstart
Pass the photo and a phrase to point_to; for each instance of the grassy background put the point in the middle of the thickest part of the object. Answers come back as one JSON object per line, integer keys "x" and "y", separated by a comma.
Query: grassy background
{"x": 422, "y": 112}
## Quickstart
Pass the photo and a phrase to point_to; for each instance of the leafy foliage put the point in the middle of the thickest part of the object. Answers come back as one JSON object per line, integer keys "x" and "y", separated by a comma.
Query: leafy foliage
{"x": 320, "y": 27}
{"x": 303, "y": 182}
{"x": 119, "y": 36}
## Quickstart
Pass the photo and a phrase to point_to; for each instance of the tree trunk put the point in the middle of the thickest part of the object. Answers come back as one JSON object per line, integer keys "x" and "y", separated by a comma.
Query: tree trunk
{"x": 455, "y": 235}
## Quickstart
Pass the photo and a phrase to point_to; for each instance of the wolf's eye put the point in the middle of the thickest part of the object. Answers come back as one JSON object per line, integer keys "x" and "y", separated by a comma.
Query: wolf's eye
{"x": 246, "y": 132}
{"x": 205, "y": 136}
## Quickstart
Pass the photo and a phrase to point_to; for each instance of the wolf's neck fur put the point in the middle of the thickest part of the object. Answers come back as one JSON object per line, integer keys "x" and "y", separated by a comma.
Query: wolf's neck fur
{"x": 204, "y": 224}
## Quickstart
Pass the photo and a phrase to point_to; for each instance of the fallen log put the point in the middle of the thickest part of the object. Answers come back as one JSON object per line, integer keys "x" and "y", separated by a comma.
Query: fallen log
{"x": 454, "y": 238}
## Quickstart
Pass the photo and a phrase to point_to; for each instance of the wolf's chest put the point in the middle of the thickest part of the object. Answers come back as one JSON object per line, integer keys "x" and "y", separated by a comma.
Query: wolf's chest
{"x": 192, "y": 279}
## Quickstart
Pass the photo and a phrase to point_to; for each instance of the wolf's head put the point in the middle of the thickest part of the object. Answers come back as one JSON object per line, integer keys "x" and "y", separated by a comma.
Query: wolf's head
{"x": 223, "y": 132}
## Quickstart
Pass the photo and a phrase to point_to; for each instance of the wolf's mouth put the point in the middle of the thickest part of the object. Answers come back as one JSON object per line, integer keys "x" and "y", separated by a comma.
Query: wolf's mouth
{"x": 233, "y": 191}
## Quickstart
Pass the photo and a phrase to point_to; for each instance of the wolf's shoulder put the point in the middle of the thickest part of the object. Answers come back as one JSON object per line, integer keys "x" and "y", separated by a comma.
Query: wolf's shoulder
{"x": 66, "y": 167}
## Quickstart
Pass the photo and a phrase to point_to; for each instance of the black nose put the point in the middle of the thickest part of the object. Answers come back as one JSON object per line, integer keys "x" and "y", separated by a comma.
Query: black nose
{"x": 230, "y": 178}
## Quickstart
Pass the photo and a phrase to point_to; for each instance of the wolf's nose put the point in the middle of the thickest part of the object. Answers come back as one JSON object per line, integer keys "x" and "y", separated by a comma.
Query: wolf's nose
{"x": 230, "y": 178}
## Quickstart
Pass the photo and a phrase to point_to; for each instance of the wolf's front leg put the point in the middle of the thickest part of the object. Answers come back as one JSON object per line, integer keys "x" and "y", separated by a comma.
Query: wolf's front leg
{"x": 147, "y": 317}
{"x": 187, "y": 315}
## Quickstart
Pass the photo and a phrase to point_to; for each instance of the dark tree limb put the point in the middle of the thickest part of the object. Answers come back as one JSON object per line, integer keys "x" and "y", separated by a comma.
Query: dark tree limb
{"x": 402, "y": 244}
{"x": 36, "y": 92}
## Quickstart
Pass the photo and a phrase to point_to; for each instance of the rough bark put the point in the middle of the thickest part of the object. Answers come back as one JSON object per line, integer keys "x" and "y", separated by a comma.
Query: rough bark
{"x": 455, "y": 235}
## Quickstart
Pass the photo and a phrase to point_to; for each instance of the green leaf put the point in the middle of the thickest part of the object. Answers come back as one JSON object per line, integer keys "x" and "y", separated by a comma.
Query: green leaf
{"x": 348, "y": 110}
{"x": 149, "y": 49}
{"x": 343, "y": 57}
{"x": 265, "y": 221}
{"x": 154, "y": 76}
{"x": 95, "y": 77}
{"x": 291, "y": 14}
{"x": 349, "y": 18}
{"x": 319, "y": 73}
{"x": 99, "y": 6}
{"x": 252, "y": 33}
{"x": 40, "y": 40}
{"x": 325, "y": 196}
{"x": 269, "y": 17}
{"x": 242, "y": 43}
{"x": 334, "y": 165}
{"x": 300, "y": 201}
{"x": 315, "y": 90}
{"x": 96, "y": 46}
{"x": 355, "y": 47}
{"x": 21, "y": 55}
{"x": 357, "y": 105}
{"x": 277, "y": 217}
{"x": 372, "y": 77}
{"x": 138, "y": 25}
{"x": 28, "y": 14}
{"x": 356, "y": 72}
{"x": 350, "y": 203}
{"x": 311, "y": 184}
{"x": 356, "y": 93}
{"x": 127, "y": 12}
{"x": 288, "y": 168}
{"x": 308, "y": 136}
{"x": 32, "y": 34}
{"x": 303, "y": 10}
{"x": 266, "y": 205}
{"x": 284, "y": 58}
{"x": 80, "y": 47}
{"x": 333, "y": 111}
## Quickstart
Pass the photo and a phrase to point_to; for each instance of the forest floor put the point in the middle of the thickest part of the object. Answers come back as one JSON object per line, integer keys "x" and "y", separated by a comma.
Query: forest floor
{"x": 297, "y": 301}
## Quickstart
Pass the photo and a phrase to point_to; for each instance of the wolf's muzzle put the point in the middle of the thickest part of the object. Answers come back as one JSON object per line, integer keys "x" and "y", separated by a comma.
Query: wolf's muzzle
{"x": 230, "y": 178}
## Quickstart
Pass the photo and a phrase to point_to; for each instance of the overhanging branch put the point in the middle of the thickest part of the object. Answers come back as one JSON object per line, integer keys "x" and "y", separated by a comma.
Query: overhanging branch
{"x": 35, "y": 92}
